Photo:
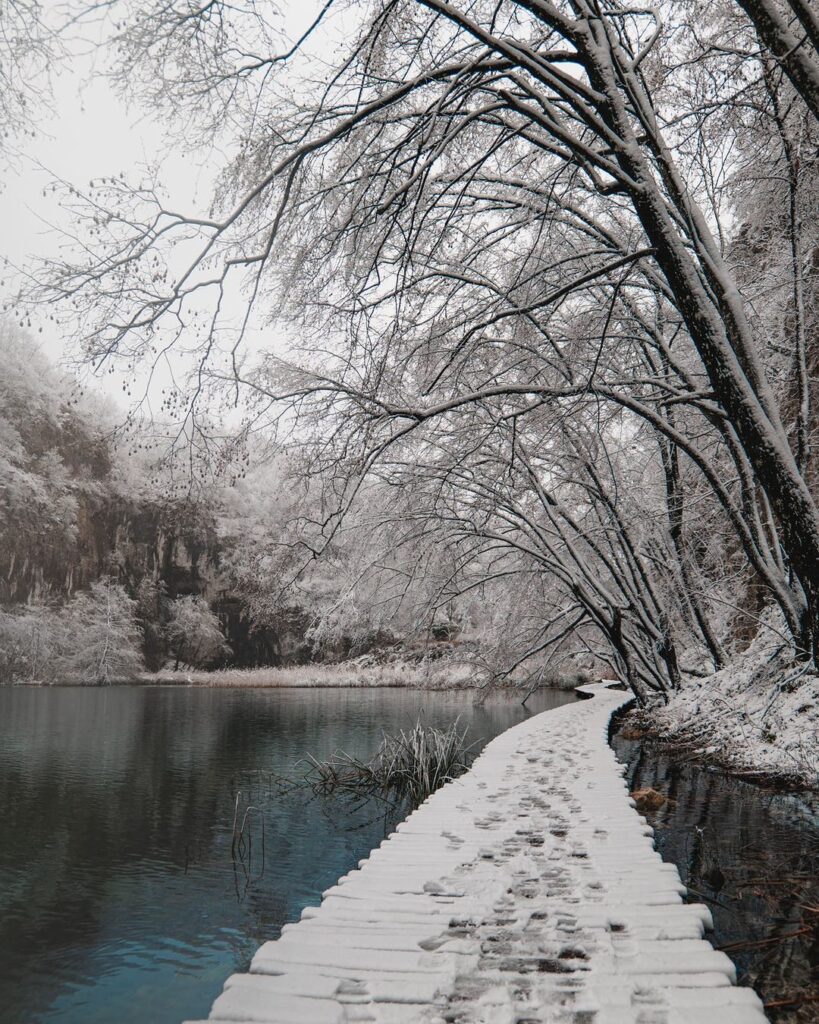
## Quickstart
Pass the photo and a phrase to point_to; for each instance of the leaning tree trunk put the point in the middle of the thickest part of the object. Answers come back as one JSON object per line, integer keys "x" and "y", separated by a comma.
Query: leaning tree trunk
{"x": 793, "y": 46}
{"x": 674, "y": 506}
{"x": 618, "y": 110}
{"x": 709, "y": 302}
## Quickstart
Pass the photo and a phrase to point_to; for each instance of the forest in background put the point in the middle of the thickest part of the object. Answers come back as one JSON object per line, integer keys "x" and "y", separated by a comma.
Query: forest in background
{"x": 99, "y": 570}
{"x": 109, "y": 567}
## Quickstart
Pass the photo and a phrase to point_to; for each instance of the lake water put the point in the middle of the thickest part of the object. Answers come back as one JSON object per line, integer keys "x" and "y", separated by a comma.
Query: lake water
{"x": 750, "y": 854}
{"x": 119, "y": 898}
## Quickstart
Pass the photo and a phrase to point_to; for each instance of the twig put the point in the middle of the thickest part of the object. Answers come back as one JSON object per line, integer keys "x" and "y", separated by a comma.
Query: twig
{"x": 755, "y": 944}
{"x": 793, "y": 1002}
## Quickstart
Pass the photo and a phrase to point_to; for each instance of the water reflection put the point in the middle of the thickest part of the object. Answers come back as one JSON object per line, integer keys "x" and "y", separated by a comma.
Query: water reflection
{"x": 119, "y": 899}
{"x": 752, "y": 855}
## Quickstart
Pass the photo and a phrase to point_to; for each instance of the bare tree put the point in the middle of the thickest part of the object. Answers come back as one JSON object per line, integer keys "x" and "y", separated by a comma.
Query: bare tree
{"x": 27, "y": 46}
{"x": 491, "y": 210}
{"x": 193, "y": 634}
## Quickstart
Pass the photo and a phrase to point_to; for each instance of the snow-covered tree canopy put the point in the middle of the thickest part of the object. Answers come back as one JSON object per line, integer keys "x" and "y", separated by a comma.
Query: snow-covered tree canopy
{"x": 550, "y": 268}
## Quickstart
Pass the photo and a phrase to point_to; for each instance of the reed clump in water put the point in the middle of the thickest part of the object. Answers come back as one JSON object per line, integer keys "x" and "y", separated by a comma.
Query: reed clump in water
{"x": 407, "y": 766}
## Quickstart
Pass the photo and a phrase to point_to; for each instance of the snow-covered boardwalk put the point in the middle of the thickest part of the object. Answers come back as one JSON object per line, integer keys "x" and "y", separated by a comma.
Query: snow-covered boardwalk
{"x": 527, "y": 891}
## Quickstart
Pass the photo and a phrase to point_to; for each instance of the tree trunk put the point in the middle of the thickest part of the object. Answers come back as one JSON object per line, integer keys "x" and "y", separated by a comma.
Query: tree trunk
{"x": 674, "y": 502}
{"x": 709, "y": 302}
{"x": 794, "y": 54}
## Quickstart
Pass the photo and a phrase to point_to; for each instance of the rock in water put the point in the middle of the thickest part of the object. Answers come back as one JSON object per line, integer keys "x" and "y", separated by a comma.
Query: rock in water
{"x": 648, "y": 799}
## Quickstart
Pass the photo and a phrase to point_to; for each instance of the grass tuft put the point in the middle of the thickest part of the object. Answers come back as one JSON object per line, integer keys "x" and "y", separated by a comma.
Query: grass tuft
{"x": 408, "y": 765}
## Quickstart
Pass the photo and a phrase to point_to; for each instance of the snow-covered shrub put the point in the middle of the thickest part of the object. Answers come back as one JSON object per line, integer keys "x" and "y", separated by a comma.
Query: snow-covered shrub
{"x": 93, "y": 639}
{"x": 100, "y": 639}
{"x": 29, "y": 639}
{"x": 193, "y": 635}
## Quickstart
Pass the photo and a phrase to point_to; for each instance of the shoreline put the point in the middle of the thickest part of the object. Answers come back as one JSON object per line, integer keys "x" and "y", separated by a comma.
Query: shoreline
{"x": 711, "y": 737}
{"x": 755, "y": 719}
{"x": 198, "y": 685}
{"x": 683, "y": 748}
{"x": 345, "y": 675}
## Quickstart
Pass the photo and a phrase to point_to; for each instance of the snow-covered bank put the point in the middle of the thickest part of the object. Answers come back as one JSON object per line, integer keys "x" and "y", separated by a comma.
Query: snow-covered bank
{"x": 432, "y": 674}
{"x": 758, "y": 717}
{"x": 527, "y": 890}
{"x": 355, "y": 673}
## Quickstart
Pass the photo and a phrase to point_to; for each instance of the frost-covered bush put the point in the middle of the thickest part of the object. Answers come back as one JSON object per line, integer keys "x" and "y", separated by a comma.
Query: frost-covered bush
{"x": 30, "y": 638}
{"x": 193, "y": 635}
{"x": 101, "y": 636}
{"x": 93, "y": 639}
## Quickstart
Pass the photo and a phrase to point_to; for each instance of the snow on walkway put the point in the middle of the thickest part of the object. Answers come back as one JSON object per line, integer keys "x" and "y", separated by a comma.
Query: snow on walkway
{"x": 526, "y": 892}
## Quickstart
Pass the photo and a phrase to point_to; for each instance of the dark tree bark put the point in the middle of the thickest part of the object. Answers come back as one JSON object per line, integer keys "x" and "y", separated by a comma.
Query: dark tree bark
{"x": 796, "y": 52}
{"x": 707, "y": 297}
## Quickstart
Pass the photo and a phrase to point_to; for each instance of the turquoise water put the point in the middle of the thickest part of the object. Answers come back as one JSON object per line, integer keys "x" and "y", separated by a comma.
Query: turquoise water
{"x": 119, "y": 898}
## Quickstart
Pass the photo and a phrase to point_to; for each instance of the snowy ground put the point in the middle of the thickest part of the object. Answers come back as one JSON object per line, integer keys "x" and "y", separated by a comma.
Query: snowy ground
{"x": 444, "y": 673}
{"x": 759, "y": 717}
{"x": 428, "y": 674}
{"x": 526, "y": 892}
{"x": 352, "y": 673}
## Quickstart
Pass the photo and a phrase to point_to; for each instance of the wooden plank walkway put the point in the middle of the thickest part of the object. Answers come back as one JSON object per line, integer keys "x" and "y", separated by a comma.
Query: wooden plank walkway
{"x": 526, "y": 892}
